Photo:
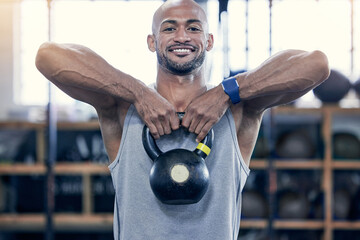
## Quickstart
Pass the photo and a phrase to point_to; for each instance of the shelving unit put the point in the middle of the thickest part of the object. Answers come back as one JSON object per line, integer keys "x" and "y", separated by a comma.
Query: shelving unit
{"x": 327, "y": 165}
{"x": 89, "y": 220}
{"x": 68, "y": 222}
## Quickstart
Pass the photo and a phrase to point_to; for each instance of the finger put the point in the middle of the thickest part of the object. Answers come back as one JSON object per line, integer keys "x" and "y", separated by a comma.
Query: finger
{"x": 194, "y": 124}
{"x": 166, "y": 125}
{"x": 200, "y": 126}
{"x": 159, "y": 127}
{"x": 174, "y": 121}
{"x": 204, "y": 131}
{"x": 153, "y": 130}
{"x": 185, "y": 122}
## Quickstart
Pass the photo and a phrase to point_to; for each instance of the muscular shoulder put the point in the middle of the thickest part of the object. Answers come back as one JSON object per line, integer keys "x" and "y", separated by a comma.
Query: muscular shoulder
{"x": 111, "y": 124}
{"x": 247, "y": 125}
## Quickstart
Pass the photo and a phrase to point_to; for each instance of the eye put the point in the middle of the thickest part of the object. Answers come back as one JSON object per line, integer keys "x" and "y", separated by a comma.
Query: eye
{"x": 194, "y": 29}
{"x": 168, "y": 29}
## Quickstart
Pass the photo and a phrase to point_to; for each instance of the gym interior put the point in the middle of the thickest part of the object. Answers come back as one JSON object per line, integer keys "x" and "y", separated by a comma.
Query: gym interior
{"x": 305, "y": 169}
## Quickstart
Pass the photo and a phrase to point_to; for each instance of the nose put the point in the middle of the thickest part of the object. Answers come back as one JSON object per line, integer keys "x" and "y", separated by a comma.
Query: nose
{"x": 181, "y": 35}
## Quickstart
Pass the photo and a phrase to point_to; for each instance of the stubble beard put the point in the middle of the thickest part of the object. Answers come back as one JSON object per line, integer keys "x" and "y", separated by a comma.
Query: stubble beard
{"x": 180, "y": 68}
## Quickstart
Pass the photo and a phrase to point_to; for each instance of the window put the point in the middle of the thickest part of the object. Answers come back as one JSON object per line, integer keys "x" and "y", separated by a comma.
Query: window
{"x": 33, "y": 32}
{"x": 298, "y": 24}
{"x": 117, "y": 31}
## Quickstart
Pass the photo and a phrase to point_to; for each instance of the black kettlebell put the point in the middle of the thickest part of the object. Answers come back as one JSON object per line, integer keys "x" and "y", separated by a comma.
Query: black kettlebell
{"x": 178, "y": 176}
{"x": 334, "y": 88}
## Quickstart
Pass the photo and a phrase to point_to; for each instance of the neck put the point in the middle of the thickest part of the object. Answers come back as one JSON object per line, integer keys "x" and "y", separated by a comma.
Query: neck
{"x": 180, "y": 90}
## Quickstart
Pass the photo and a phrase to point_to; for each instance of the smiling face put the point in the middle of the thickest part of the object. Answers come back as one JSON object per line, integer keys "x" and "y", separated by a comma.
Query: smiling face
{"x": 180, "y": 36}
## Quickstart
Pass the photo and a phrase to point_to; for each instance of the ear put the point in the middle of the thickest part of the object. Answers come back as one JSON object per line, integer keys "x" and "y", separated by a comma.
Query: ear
{"x": 151, "y": 42}
{"x": 210, "y": 42}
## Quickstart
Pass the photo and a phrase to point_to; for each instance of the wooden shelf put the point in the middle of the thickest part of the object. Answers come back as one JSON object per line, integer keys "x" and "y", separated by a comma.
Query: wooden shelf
{"x": 346, "y": 225}
{"x": 258, "y": 164}
{"x": 292, "y": 109}
{"x": 305, "y": 164}
{"x": 284, "y": 224}
{"x": 90, "y": 125}
{"x": 301, "y": 164}
{"x": 297, "y": 224}
{"x": 336, "y": 110}
{"x": 288, "y": 164}
{"x": 21, "y": 125}
{"x": 60, "y": 168}
{"x": 36, "y": 222}
{"x": 253, "y": 224}
{"x": 352, "y": 165}
{"x": 80, "y": 168}
{"x": 21, "y": 169}
{"x": 329, "y": 108}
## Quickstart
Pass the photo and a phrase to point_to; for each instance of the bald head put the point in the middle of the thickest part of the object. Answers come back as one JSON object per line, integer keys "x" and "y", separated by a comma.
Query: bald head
{"x": 173, "y": 9}
{"x": 180, "y": 37}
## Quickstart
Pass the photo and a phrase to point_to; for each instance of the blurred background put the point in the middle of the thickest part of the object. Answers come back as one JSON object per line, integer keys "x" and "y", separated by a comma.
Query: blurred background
{"x": 305, "y": 179}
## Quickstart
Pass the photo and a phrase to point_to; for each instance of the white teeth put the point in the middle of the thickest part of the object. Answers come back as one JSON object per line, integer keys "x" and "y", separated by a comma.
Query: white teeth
{"x": 181, "y": 50}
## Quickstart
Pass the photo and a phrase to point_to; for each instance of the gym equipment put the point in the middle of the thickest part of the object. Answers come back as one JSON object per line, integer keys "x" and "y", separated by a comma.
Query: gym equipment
{"x": 298, "y": 234}
{"x": 356, "y": 87}
{"x": 333, "y": 89}
{"x": 261, "y": 148}
{"x": 354, "y": 214}
{"x": 346, "y": 146}
{"x": 292, "y": 205}
{"x": 342, "y": 201}
{"x": 178, "y": 176}
{"x": 295, "y": 144}
{"x": 254, "y": 205}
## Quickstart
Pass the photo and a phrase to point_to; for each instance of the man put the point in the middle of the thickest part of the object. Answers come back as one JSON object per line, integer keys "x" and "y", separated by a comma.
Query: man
{"x": 124, "y": 104}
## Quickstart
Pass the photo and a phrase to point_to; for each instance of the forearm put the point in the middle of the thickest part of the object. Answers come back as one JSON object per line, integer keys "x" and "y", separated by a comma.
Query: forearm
{"x": 85, "y": 76}
{"x": 287, "y": 72}
{"x": 74, "y": 66}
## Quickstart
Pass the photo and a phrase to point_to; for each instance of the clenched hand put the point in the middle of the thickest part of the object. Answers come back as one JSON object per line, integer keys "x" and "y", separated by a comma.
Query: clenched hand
{"x": 158, "y": 114}
{"x": 205, "y": 111}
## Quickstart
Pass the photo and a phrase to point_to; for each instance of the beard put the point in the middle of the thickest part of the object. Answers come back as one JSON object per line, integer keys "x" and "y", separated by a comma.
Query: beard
{"x": 180, "y": 68}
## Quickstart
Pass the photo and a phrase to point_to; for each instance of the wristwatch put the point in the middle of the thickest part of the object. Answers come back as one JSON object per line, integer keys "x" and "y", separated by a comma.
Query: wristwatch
{"x": 231, "y": 88}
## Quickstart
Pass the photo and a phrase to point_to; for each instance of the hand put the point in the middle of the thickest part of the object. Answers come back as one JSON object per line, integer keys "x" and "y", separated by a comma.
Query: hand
{"x": 157, "y": 113}
{"x": 205, "y": 111}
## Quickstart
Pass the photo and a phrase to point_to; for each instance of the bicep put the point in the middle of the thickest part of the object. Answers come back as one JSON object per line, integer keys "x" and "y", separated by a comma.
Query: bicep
{"x": 283, "y": 78}
{"x": 76, "y": 70}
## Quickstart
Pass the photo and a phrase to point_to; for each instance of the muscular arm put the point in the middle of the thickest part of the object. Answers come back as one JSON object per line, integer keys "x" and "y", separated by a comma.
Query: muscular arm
{"x": 87, "y": 77}
{"x": 77, "y": 70}
{"x": 281, "y": 79}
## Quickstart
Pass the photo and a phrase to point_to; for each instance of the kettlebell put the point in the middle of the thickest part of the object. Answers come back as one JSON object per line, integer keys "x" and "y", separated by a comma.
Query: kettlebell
{"x": 345, "y": 146}
{"x": 356, "y": 87}
{"x": 334, "y": 88}
{"x": 178, "y": 176}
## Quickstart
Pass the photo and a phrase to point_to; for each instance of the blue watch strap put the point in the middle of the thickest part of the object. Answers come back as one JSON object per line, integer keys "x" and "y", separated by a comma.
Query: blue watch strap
{"x": 231, "y": 88}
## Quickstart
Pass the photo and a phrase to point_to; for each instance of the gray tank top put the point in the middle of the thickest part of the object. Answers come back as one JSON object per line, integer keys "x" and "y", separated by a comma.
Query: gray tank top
{"x": 138, "y": 215}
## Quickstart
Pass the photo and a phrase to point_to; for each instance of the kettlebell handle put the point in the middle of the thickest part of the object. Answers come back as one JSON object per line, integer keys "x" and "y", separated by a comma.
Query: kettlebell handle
{"x": 203, "y": 149}
{"x": 180, "y": 115}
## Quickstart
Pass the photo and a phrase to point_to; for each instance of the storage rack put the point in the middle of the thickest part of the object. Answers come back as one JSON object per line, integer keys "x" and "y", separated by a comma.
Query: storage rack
{"x": 89, "y": 220}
